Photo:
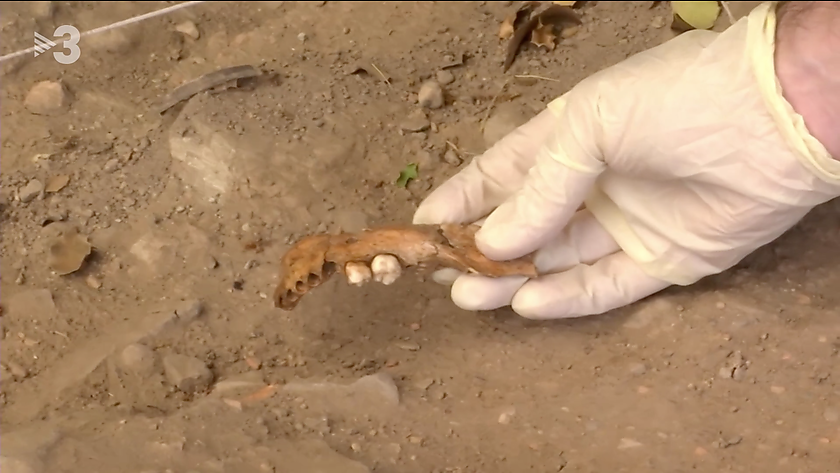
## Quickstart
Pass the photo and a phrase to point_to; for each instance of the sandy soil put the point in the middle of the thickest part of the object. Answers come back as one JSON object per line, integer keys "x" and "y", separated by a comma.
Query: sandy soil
{"x": 163, "y": 352}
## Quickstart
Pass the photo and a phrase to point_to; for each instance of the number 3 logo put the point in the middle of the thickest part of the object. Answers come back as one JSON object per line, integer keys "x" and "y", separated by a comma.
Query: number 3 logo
{"x": 71, "y": 44}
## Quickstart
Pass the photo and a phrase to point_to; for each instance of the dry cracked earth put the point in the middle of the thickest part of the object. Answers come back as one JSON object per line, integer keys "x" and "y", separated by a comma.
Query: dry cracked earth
{"x": 161, "y": 352}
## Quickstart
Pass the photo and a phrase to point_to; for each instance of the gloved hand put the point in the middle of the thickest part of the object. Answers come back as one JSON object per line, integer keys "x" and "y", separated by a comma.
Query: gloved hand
{"x": 686, "y": 156}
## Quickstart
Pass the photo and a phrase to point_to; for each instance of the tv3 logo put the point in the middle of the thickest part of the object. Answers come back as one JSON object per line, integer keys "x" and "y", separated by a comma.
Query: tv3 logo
{"x": 44, "y": 44}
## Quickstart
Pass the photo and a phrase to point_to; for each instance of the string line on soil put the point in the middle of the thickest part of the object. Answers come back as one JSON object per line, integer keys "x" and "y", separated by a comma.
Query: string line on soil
{"x": 113, "y": 26}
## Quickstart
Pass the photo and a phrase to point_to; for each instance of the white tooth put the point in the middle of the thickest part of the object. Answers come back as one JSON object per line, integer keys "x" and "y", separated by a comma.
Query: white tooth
{"x": 386, "y": 269}
{"x": 357, "y": 273}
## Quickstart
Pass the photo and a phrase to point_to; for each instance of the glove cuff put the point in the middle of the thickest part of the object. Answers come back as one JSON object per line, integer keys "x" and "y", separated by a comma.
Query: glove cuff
{"x": 761, "y": 45}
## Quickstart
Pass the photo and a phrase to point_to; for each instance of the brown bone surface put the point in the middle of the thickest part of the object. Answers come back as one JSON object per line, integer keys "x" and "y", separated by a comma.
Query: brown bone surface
{"x": 314, "y": 259}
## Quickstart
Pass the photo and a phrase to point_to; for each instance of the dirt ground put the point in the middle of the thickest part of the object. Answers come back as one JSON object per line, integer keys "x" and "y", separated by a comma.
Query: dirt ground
{"x": 164, "y": 353}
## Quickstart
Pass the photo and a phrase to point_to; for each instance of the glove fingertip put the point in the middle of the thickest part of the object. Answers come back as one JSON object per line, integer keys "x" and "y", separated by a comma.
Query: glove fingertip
{"x": 480, "y": 293}
{"x": 530, "y": 303}
{"x": 498, "y": 244}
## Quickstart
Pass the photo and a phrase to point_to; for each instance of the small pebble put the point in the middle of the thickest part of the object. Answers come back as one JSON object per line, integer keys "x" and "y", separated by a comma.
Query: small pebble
{"x": 301, "y": 37}
{"x": 92, "y": 282}
{"x": 507, "y": 416}
{"x": 452, "y": 158}
{"x": 111, "y": 165}
{"x": 627, "y": 443}
{"x": 210, "y": 263}
{"x": 730, "y": 442}
{"x": 424, "y": 160}
{"x": 430, "y": 95}
{"x": 638, "y": 369}
{"x": 658, "y": 22}
{"x": 415, "y": 122}
{"x": 30, "y": 191}
{"x": 46, "y": 98}
{"x": 189, "y": 309}
{"x": 188, "y": 28}
{"x": 410, "y": 346}
{"x": 138, "y": 358}
{"x": 186, "y": 373}
{"x": 445, "y": 77}
{"x": 17, "y": 370}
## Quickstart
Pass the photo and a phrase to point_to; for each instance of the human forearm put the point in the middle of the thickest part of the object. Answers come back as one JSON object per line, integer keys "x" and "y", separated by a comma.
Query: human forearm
{"x": 808, "y": 65}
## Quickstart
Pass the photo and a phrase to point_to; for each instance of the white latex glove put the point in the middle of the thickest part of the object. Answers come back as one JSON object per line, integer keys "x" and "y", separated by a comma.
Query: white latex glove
{"x": 686, "y": 156}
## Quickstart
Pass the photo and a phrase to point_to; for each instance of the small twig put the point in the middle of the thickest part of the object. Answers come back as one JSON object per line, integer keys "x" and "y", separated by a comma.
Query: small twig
{"x": 56, "y": 332}
{"x": 453, "y": 146}
{"x": 725, "y": 6}
{"x": 384, "y": 78}
{"x": 492, "y": 104}
{"x": 531, "y": 76}
{"x": 459, "y": 151}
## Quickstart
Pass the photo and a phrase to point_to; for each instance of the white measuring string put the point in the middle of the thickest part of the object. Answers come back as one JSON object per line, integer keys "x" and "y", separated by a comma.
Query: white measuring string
{"x": 112, "y": 26}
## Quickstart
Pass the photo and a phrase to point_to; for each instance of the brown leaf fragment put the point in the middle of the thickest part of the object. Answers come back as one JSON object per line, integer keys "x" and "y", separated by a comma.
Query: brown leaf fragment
{"x": 514, "y": 19}
{"x": 56, "y": 183}
{"x": 543, "y": 35}
{"x": 546, "y": 16}
{"x": 68, "y": 252}
{"x": 507, "y": 29}
{"x": 314, "y": 259}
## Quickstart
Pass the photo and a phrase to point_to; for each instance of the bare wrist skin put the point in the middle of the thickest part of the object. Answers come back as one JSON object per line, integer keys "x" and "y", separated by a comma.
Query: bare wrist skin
{"x": 808, "y": 66}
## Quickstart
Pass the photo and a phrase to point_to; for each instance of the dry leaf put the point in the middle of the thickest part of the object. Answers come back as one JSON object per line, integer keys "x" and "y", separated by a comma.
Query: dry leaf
{"x": 699, "y": 15}
{"x": 544, "y": 16}
{"x": 57, "y": 183}
{"x": 543, "y": 35}
{"x": 512, "y": 21}
{"x": 507, "y": 29}
{"x": 68, "y": 252}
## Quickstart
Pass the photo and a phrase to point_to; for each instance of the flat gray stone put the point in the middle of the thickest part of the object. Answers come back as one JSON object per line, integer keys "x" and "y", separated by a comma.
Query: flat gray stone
{"x": 186, "y": 373}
